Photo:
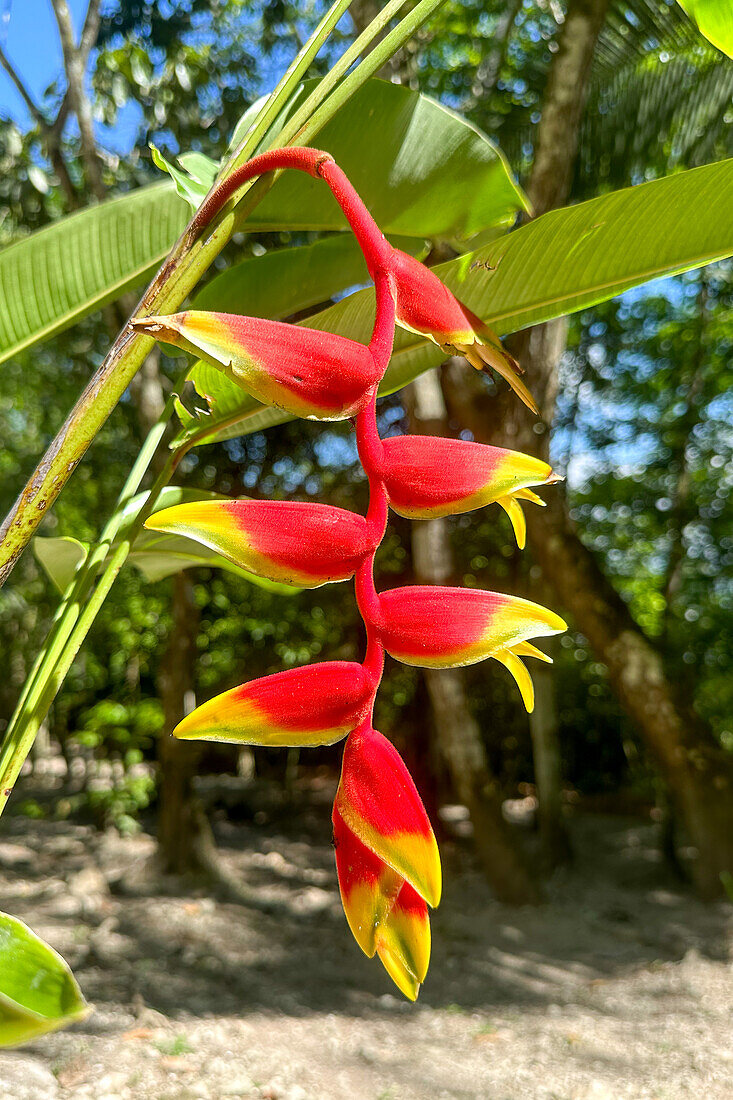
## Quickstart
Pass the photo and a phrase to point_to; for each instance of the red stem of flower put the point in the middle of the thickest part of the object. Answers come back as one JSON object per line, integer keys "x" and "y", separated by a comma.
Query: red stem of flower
{"x": 376, "y": 248}
{"x": 317, "y": 163}
{"x": 298, "y": 157}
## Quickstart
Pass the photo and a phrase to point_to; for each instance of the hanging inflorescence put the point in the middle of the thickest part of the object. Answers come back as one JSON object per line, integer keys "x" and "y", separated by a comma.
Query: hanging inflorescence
{"x": 386, "y": 855}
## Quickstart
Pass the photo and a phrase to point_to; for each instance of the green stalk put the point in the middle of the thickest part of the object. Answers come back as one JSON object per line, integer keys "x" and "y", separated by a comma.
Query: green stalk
{"x": 342, "y": 66}
{"x": 379, "y": 56}
{"x": 62, "y": 653}
{"x": 279, "y": 97}
{"x": 27, "y": 717}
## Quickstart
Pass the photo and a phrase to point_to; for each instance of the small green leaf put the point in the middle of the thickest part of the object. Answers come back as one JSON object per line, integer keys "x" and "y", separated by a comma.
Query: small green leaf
{"x": 188, "y": 186}
{"x": 38, "y": 992}
{"x": 60, "y": 558}
{"x": 714, "y": 19}
{"x": 200, "y": 168}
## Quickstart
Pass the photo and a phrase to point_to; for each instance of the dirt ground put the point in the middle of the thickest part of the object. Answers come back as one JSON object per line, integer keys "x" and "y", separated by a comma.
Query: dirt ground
{"x": 619, "y": 987}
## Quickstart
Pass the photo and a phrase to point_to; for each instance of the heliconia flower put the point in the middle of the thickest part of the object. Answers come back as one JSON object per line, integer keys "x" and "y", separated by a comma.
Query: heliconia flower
{"x": 312, "y": 705}
{"x": 378, "y": 801}
{"x": 426, "y": 306}
{"x": 428, "y": 476}
{"x": 310, "y": 374}
{"x": 385, "y": 914}
{"x": 290, "y": 541}
{"x": 435, "y": 627}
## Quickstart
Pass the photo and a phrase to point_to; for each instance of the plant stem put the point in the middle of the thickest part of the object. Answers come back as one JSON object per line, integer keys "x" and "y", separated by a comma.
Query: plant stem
{"x": 342, "y": 66}
{"x": 279, "y": 97}
{"x": 308, "y": 128}
{"x": 35, "y": 700}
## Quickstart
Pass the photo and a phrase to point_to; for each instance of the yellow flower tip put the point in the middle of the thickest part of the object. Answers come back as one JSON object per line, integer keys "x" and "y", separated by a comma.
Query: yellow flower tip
{"x": 527, "y": 494}
{"x": 511, "y": 662}
{"x": 514, "y": 510}
{"x": 526, "y": 649}
{"x": 484, "y": 355}
{"x": 403, "y": 978}
{"x": 164, "y": 520}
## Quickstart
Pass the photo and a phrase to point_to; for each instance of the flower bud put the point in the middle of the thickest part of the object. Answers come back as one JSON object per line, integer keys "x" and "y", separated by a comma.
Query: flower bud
{"x": 380, "y": 804}
{"x": 435, "y": 627}
{"x": 428, "y": 476}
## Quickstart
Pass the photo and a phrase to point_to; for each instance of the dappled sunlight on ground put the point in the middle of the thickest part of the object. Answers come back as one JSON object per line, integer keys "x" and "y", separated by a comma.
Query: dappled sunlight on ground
{"x": 618, "y": 987}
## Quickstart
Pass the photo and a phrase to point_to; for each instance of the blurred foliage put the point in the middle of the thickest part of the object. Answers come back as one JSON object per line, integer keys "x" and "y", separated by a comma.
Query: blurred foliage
{"x": 643, "y": 424}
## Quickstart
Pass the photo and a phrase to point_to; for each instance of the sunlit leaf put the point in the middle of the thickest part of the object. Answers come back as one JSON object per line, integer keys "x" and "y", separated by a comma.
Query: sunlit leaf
{"x": 714, "y": 19}
{"x": 38, "y": 992}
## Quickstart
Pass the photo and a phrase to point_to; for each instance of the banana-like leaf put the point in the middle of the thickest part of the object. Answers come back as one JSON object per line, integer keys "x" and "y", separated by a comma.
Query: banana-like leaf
{"x": 287, "y": 280}
{"x": 561, "y": 262}
{"x": 423, "y": 170}
{"x": 154, "y": 553}
{"x": 71, "y": 268}
{"x": 714, "y": 19}
{"x": 38, "y": 992}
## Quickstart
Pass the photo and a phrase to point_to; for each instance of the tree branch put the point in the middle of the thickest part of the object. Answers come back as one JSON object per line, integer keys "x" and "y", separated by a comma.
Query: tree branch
{"x": 74, "y": 64}
{"x": 25, "y": 95}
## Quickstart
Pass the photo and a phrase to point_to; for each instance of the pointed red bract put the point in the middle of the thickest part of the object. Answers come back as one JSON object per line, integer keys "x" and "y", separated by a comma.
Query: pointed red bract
{"x": 427, "y": 476}
{"x": 307, "y": 373}
{"x": 312, "y": 705}
{"x": 290, "y": 541}
{"x": 436, "y": 627}
{"x": 379, "y": 802}
{"x": 426, "y": 306}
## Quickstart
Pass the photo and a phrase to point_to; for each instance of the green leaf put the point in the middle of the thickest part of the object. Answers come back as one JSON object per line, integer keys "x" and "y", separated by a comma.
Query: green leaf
{"x": 60, "y": 558}
{"x": 69, "y": 269}
{"x": 714, "y": 19}
{"x": 155, "y": 554}
{"x": 561, "y": 262}
{"x": 421, "y": 169}
{"x": 287, "y": 280}
{"x": 190, "y": 189}
{"x": 424, "y": 172}
{"x": 38, "y": 992}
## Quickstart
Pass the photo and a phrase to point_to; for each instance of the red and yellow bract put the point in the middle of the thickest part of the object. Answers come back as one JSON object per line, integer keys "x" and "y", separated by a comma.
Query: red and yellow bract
{"x": 305, "y": 372}
{"x": 386, "y": 915}
{"x": 311, "y": 705}
{"x": 428, "y": 476}
{"x": 289, "y": 541}
{"x": 386, "y": 856}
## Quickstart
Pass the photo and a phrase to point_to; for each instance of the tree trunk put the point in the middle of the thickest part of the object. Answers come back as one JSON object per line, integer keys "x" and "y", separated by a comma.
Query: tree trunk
{"x": 182, "y": 824}
{"x": 457, "y": 731}
{"x": 699, "y": 775}
{"x": 544, "y": 731}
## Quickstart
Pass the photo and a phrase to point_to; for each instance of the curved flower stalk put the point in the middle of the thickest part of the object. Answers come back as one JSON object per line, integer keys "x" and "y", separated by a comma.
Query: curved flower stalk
{"x": 387, "y": 858}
